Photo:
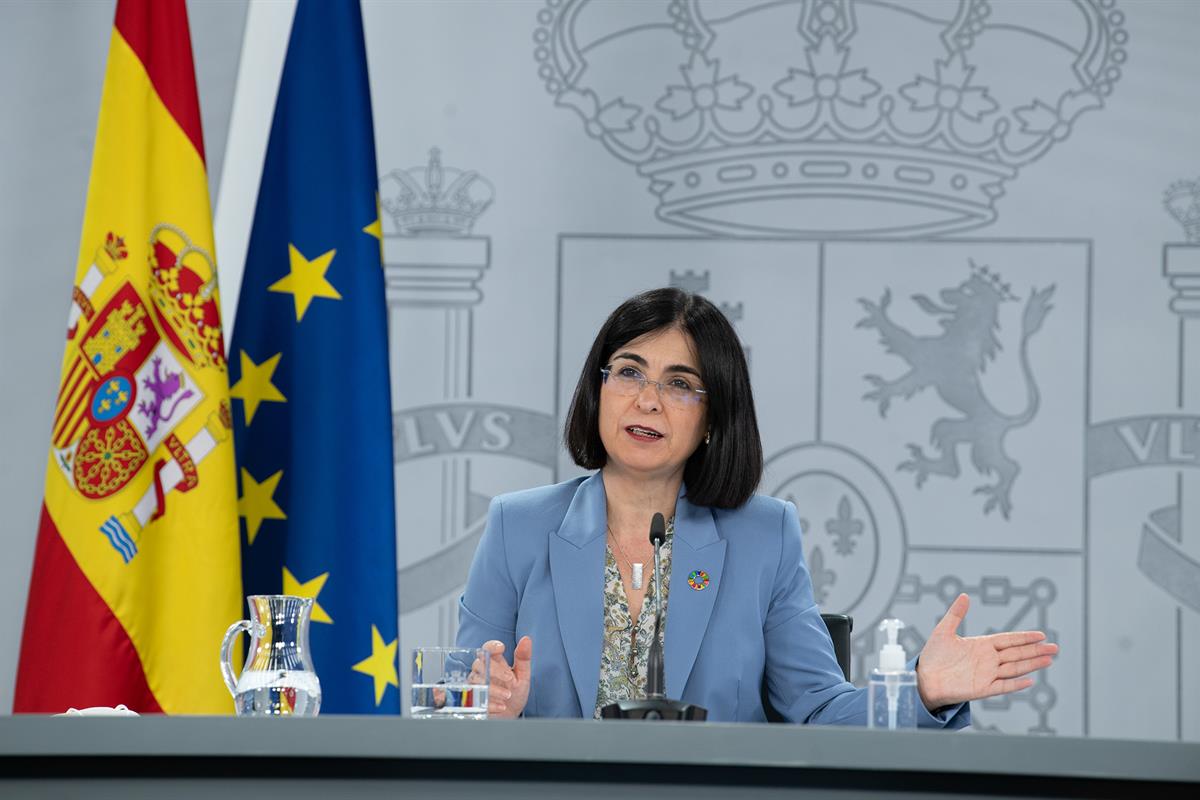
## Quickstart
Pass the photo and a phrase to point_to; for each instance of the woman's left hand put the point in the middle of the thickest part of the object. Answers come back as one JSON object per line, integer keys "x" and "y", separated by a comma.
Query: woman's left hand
{"x": 954, "y": 669}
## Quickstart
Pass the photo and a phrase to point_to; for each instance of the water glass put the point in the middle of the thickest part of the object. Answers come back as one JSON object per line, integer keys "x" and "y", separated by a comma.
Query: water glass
{"x": 449, "y": 683}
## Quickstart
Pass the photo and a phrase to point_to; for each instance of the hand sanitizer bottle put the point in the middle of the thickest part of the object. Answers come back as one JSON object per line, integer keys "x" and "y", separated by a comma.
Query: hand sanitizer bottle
{"x": 892, "y": 691}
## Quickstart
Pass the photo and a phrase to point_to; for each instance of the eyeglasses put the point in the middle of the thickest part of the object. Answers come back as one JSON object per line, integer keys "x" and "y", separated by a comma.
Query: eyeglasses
{"x": 628, "y": 382}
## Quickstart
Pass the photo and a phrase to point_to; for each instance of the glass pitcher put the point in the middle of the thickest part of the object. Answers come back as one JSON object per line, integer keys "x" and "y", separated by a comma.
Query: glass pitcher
{"x": 278, "y": 679}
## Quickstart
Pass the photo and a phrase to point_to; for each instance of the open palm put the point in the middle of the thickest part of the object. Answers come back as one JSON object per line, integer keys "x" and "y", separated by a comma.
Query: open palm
{"x": 954, "y": 669}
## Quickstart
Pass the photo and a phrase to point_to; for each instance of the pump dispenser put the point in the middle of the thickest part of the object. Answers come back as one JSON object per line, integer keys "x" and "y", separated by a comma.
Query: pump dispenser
{"x": 891, "y": 655}
{"x": 892, "y": 691}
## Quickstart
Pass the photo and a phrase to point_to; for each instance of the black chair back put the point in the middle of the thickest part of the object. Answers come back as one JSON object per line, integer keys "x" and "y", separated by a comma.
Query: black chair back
{"x": 840, "y": 626}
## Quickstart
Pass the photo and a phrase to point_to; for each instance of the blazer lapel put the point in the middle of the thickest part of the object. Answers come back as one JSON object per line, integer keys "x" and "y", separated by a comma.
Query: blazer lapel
{"x": 696, "y": 547}
{"x": 577, "y": 572}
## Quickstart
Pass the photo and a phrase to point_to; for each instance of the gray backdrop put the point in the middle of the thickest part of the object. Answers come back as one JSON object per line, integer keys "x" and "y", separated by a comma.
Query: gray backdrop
{"x": 954, "y": 237}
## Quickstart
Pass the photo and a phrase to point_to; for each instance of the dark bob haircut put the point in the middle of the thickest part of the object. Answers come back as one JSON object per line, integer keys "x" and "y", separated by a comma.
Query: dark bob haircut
{"x": 723, "y": 473}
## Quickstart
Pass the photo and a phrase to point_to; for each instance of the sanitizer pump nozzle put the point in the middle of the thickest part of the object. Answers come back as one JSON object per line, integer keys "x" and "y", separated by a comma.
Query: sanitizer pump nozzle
{"x": 893, "y": 671}
{"x": 891, "y": 655}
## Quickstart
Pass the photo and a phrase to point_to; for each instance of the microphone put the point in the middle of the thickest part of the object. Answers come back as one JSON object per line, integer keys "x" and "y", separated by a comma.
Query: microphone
{"x": 658, "y": 531}
{"x": 655, "y": 705}
{"x": 655, "y": 671}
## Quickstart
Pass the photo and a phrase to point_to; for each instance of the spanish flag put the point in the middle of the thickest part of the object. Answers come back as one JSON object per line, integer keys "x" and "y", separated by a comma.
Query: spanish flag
{"x": 136, "y": 573}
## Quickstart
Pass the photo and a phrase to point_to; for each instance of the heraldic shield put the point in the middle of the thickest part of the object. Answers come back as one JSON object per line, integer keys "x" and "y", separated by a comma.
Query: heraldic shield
{"x": 130, "y": 388}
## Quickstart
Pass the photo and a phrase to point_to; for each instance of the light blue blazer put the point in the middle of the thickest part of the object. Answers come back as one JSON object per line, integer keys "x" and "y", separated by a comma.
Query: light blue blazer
{"x": 539, "y": 571}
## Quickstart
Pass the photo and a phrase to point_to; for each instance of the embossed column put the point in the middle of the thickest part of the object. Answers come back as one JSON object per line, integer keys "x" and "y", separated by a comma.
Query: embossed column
{"x": 1181, "y": 267}
{"x": 432, "y": 289}
{"x": 436, "y": 282}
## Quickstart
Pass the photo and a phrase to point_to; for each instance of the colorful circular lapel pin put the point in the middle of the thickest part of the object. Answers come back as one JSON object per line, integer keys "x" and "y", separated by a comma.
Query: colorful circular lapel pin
{"x": 698, "y": 579}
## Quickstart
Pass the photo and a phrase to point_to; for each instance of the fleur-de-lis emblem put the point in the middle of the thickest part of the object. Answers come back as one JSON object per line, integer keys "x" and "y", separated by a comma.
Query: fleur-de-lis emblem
{"x": 822, "y": 578}
{"x": 843, "y": 528}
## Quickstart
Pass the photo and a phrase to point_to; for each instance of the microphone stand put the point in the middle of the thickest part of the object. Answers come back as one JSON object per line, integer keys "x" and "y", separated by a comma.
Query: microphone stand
{"x": 655, "y": 705}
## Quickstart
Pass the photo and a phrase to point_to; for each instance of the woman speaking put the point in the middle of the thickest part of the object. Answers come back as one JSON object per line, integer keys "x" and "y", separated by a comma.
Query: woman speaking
{"x": 663, "y": 411}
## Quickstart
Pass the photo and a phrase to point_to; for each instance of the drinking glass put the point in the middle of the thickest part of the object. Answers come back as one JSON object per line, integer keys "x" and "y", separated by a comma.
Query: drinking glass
{"x": 444, "y": 685}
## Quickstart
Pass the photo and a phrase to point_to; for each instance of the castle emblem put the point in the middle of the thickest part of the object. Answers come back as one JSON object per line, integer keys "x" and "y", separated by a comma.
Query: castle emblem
{"x": 121, "y": 333}
{"x": 952, "y": 363}
{"x": 833, "y": 135}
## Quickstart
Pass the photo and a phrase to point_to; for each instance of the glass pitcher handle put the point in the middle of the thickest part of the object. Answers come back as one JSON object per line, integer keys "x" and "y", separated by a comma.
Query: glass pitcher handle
{"x": 227, "y": 653}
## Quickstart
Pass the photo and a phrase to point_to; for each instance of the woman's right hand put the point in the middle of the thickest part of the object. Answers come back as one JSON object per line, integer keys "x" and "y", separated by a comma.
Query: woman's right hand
{"x": 508, "y": 687}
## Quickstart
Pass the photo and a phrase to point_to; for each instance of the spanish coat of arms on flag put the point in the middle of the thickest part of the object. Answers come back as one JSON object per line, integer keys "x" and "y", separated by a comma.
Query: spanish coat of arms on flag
{"x": 136, "y": 572}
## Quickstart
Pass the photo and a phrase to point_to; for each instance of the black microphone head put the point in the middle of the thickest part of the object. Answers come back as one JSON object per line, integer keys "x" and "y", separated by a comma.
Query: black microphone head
{"x": 658, "y": 530}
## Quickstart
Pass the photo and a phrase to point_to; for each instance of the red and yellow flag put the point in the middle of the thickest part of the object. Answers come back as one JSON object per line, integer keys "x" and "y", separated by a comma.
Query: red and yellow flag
{"x": 136, "y": 573}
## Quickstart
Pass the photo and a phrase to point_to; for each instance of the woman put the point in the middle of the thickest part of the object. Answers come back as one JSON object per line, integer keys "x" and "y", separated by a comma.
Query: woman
{"x": 663, "y": 411}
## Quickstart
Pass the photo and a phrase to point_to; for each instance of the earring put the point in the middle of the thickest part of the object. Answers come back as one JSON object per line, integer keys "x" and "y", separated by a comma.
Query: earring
{"x": 708, "y": 436}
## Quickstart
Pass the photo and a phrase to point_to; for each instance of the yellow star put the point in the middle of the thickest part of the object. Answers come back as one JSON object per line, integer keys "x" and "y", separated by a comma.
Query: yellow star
{"x": 380, "y": 665}
{"x": 255, "y": 385}
{"x": 306, "y": 280}
{"x": 310, "y": 588}
{"x": 376, "y": 228}
{"x": 258, "y": 503}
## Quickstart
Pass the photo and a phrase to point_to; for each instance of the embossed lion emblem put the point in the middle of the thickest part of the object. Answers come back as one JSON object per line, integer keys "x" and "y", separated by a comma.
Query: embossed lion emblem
{"x": 951, "y": 363}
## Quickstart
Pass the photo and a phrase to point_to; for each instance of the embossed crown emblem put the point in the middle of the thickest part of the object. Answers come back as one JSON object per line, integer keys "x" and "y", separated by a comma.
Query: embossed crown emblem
{"x": 993, "y": 281}
{"x": 183, "y": 295}
{"x": 1182, "y": 200}
{"x": 829, "y": 117}
{"x": 433, "y": 200}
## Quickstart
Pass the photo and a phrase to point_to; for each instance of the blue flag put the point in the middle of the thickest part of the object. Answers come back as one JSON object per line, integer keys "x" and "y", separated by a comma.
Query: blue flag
{"x": 309, "y": 362}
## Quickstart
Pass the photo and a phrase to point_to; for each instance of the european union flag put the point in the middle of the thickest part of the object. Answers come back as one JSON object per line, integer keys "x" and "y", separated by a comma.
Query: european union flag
{"x": 309, "y": 362}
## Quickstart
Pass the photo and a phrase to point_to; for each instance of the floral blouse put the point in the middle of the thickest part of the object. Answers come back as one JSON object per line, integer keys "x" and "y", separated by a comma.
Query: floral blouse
{"x": 625, "y": 652}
